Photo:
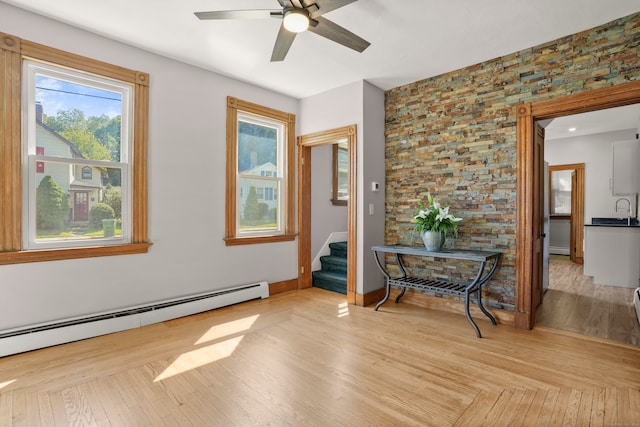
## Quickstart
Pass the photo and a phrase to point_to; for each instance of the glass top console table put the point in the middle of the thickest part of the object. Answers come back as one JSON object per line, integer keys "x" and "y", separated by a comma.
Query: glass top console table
{"x": 483, "y": 258}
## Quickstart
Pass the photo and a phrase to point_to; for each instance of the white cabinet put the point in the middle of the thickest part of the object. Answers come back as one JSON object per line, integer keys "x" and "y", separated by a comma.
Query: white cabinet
{"x": 612, "y": 255}
{"x": 625, "y": 178}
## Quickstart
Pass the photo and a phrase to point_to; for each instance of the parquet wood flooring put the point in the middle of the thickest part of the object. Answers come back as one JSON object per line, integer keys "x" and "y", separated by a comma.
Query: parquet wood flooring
{"x": 306, "y": 358}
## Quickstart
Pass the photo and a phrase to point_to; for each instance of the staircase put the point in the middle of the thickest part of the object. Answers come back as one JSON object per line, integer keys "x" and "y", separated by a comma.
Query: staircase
{"x": 333, "y": 275}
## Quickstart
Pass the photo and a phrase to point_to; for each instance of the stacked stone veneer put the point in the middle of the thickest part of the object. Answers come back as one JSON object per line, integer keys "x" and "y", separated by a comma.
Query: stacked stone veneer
{"x": 454, "y": 135}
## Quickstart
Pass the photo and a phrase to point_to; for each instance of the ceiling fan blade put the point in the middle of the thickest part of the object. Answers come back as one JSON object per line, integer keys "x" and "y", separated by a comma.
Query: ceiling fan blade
{"x": 324, "y": 6}
{"x": 283, "y": 43}
{"x": 338, "y": 34}
{"x": 238, "y": 14}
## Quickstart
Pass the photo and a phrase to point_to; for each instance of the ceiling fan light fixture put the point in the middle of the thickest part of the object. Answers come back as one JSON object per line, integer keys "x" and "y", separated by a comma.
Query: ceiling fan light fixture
{"x": 296, "y": 20}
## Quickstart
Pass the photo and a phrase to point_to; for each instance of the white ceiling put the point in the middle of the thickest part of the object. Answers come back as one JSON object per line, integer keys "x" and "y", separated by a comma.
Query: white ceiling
{"x": 410, "y": 39}
{"x": 609, "y": 120}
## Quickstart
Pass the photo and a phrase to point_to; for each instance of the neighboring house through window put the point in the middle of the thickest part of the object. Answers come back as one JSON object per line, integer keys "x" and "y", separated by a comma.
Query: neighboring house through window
{"x": 63, "y": 165}
{"x": 260, "y": 176}
{"x": 86, "y": 172}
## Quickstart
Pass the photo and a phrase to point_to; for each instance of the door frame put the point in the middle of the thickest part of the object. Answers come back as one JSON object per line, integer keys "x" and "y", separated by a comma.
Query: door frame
{"x": 526, "y": 117}
{"x": 305, "y": 143}
{"x": 576, "y": 218}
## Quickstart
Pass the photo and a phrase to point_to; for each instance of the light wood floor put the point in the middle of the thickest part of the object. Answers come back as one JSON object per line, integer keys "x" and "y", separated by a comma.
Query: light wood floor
{"x": 574, "y": 303}
{"x": 307, "y": 359}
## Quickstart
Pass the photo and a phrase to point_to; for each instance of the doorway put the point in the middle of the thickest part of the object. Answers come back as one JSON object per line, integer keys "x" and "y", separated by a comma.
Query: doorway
{"x": 81, "y": 206}
{"x": 346, "y": 134}
{"x": 529, "y": 236}
{"x": 566, "y": 210}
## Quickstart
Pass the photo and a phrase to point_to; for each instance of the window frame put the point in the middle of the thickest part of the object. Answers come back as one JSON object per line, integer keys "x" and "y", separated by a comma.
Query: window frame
{"x": 13, "y": 51}
{"x": 32, "y": 68}
{"x": 337, "y": 146}
{"x": 234, "y": 108}
{"x": 89, "y": 174}
{"x": 552, "y": 169}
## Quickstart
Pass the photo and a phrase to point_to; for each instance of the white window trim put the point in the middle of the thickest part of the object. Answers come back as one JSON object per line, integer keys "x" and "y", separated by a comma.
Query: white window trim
{"x": 29, "y": 158}
{"x": 280, "y": 179}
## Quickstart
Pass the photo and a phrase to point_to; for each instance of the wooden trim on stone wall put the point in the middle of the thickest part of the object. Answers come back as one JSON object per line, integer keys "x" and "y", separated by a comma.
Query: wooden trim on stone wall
{"x": 527, "y": 114}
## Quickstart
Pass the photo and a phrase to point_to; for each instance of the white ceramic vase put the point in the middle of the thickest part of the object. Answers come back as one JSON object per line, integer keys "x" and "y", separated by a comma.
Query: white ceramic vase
{"x": 433, "y": 240}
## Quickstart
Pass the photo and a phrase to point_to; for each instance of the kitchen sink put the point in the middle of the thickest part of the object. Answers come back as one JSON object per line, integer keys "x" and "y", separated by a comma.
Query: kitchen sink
{"x": 613, "y": 221}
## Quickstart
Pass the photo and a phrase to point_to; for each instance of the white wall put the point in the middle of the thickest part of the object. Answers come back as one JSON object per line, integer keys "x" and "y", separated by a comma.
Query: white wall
{"x": 325, "y": 217}
{"x": 186, "y": 195}
{"x": 372, "y": 157}
{"x": 361, "y": 104}
{"x": 595, "y": 152}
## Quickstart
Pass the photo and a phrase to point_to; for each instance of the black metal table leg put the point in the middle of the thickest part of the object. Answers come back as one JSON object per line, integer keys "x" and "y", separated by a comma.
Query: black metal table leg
{"x": 479, "y": 290}
{"x": 469, "y": 318}
{"x": 484, "y": 310}
{"x": 441, "y": 285}
{"x": 387, "y": 285}
{"x": 404, "y": 276}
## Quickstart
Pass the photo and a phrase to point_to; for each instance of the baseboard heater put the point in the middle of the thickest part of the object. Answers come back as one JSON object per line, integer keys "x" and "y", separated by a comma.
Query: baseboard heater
{"x": 47, "y": 334}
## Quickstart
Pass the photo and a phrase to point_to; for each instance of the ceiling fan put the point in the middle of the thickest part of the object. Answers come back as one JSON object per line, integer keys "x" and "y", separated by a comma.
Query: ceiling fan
{"x": 297, "y": 16}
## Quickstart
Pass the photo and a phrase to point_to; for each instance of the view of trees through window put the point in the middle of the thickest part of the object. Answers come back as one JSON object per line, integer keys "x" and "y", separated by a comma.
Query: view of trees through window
{"x": 259, "y": 176}
{"x": 78, "y": 178}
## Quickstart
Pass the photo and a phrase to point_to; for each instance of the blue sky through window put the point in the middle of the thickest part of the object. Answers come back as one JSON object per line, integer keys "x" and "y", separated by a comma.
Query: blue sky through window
{"x": 59, "y": 95}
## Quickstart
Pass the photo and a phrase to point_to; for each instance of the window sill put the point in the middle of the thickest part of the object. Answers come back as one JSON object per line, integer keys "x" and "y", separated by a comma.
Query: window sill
{"x": 72, "y": 253}
{"x": 236, "y": 241}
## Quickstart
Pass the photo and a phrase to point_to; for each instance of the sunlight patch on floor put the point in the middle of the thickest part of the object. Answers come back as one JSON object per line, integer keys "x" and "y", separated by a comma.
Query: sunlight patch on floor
{"x": 211, "y": 353}
{"x": 343, "y": 309}
{"x": 200, "y": 357}
{"x": 227, "y": 329}
{"x": 6, "y": 383}
{"x": 227, "y": 342}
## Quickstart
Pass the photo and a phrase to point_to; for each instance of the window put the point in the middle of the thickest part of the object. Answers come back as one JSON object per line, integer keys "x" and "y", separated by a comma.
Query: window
{"x": 66, "y": 156}
{"x": 78, "y": 118}
{"x": 340, "y": 167}
{"x": 86, "y": 172}
{"x": 560, "y": 194}
{"x": 260, "y": 148}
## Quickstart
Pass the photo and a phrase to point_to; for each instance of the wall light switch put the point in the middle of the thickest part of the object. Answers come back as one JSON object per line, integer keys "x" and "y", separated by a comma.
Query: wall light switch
{"x": 370, "y": 208}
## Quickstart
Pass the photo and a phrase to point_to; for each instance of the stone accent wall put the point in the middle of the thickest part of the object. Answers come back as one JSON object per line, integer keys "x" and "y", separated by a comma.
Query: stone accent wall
{"x": 454, "y": 135}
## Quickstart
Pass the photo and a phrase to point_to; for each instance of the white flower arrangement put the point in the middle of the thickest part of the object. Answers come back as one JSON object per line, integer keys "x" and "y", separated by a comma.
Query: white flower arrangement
{"x": 435, "y": 217}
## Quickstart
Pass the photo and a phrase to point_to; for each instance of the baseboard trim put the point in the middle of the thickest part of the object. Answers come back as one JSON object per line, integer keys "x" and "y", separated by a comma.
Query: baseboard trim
{"x": 504, "y": 317}
{"x": 283, "y": 286}
{"x": 373, "y": 297}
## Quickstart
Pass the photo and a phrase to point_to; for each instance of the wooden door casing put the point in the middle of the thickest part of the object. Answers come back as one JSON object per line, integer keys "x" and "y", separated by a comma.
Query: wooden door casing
{"x": 526, "y": 116}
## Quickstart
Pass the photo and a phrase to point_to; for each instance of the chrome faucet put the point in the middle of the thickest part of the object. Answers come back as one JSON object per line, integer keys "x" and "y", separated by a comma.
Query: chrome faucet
{"x": 628, "y": 208}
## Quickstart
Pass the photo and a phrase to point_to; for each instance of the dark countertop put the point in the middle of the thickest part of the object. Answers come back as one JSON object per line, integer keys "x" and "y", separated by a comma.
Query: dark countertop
{"x": 613, "y": 225}
{"x": 613, "y": 222}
